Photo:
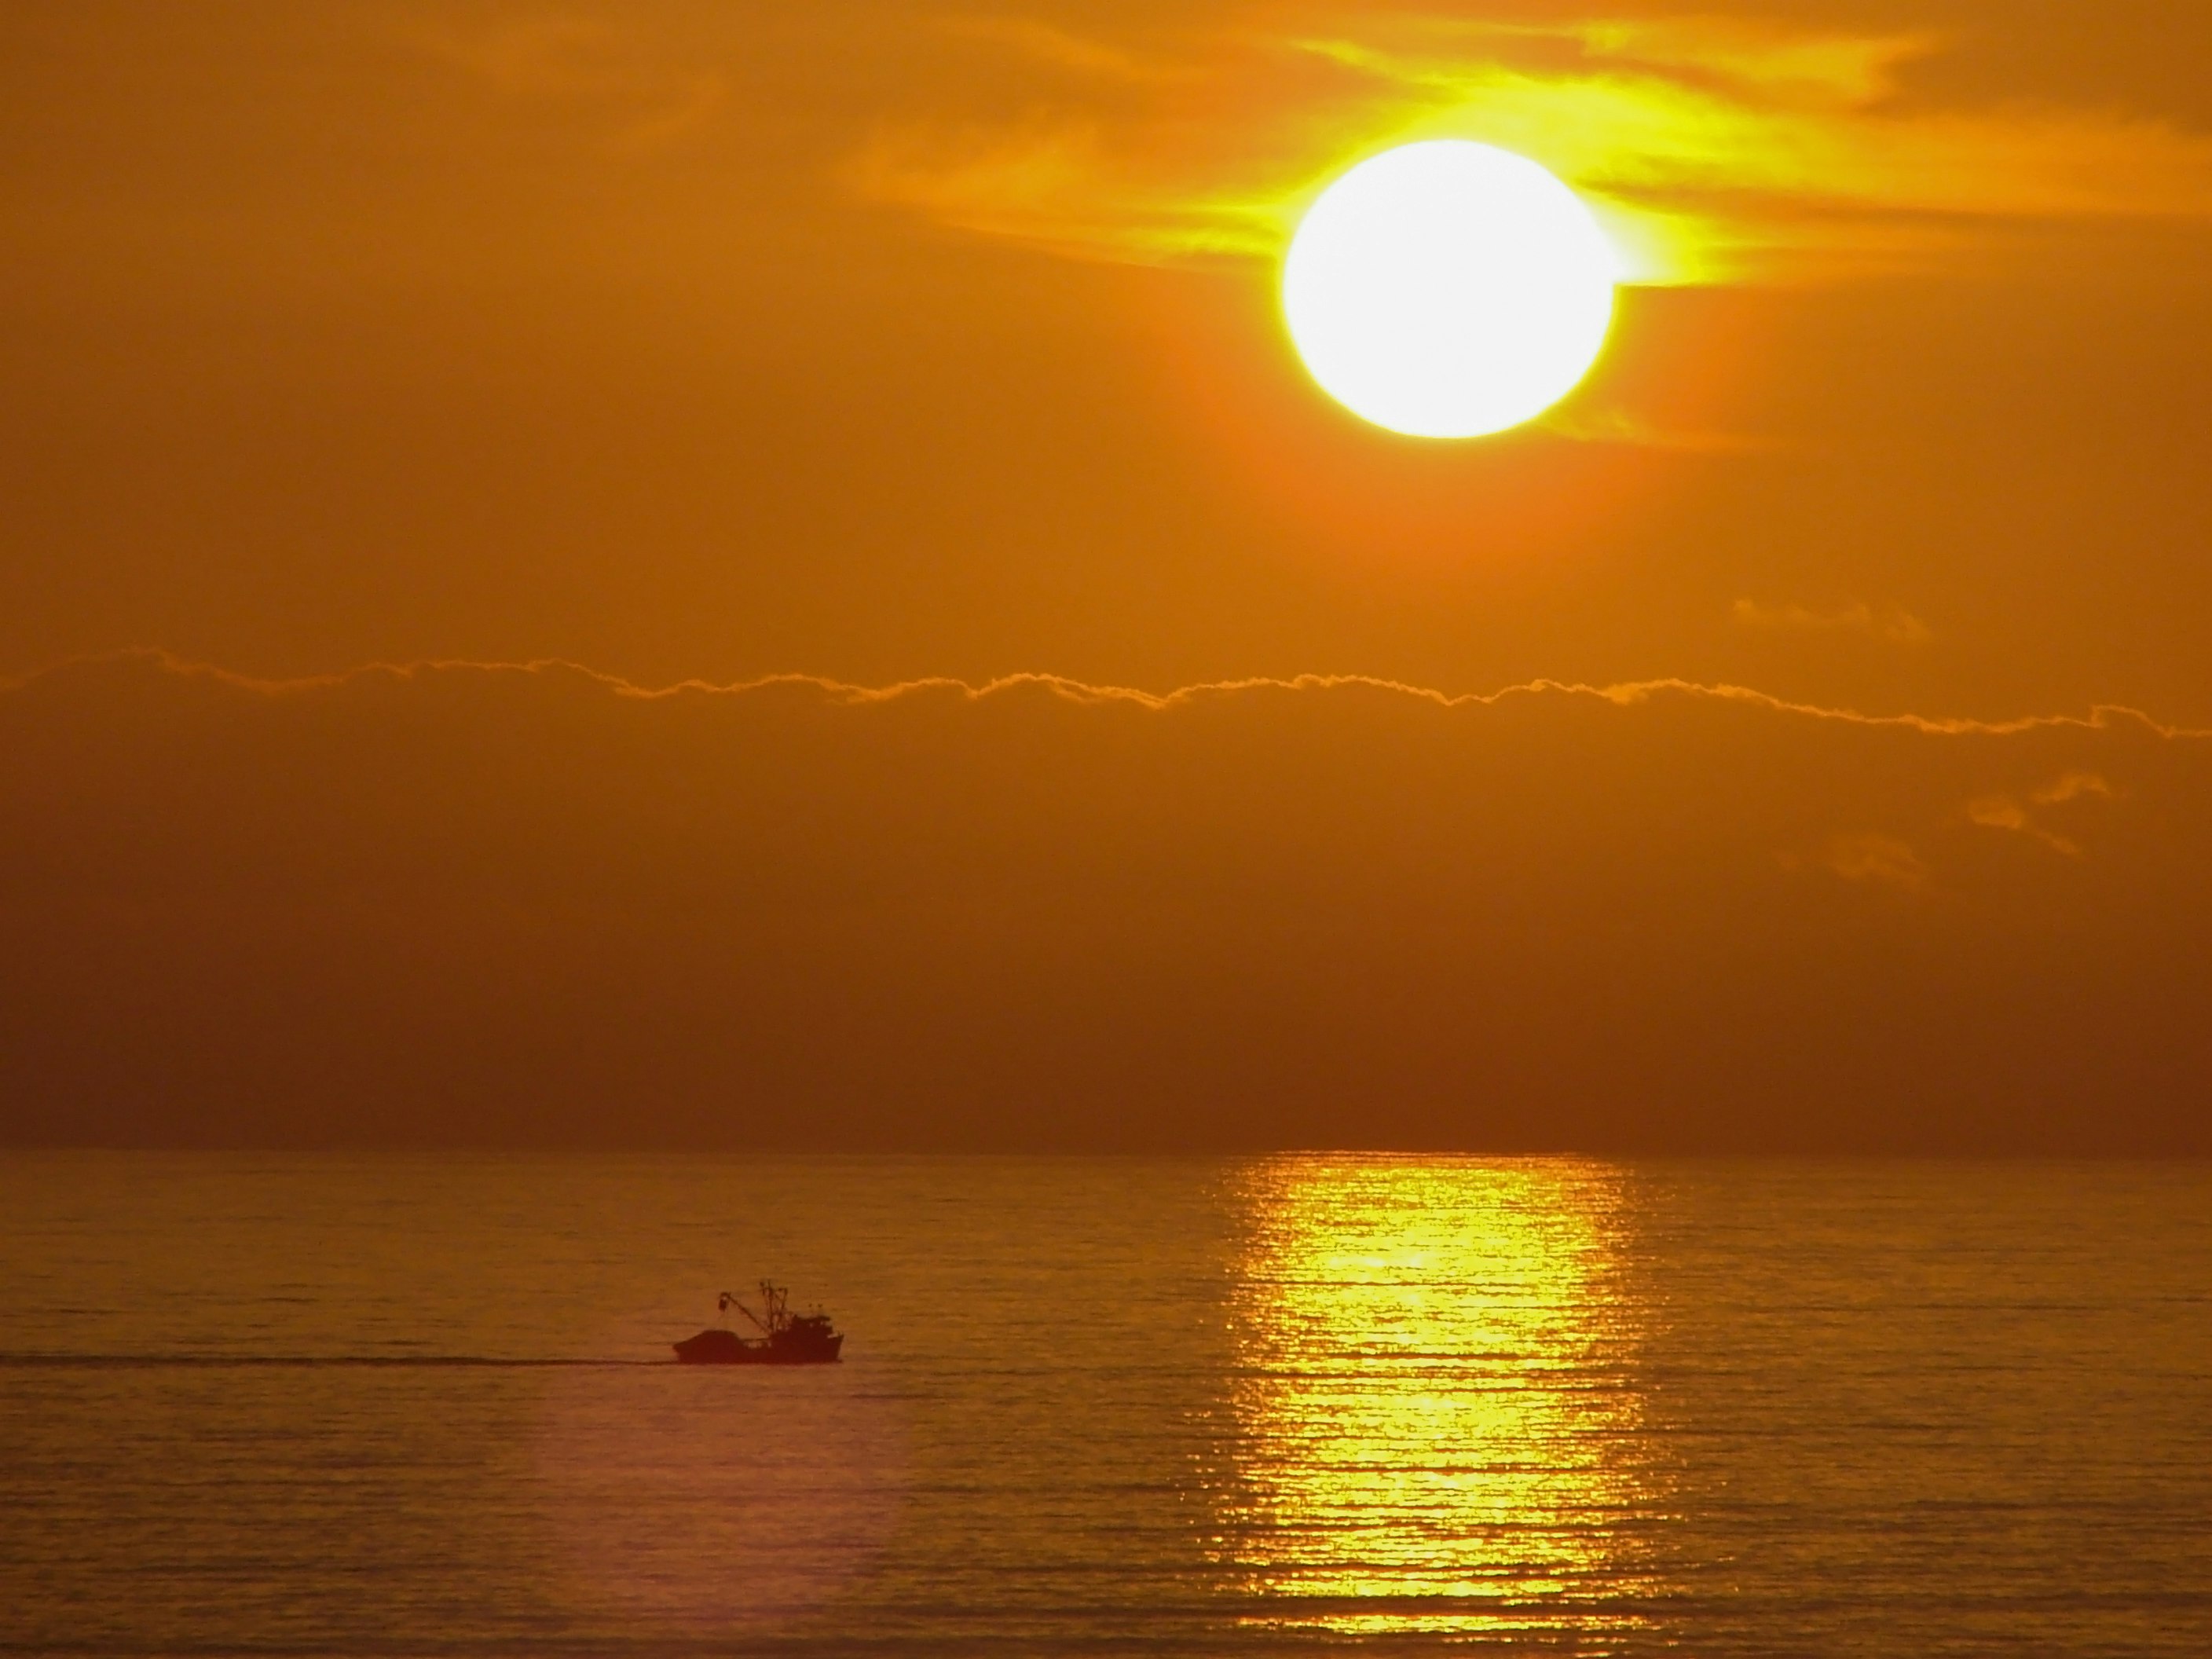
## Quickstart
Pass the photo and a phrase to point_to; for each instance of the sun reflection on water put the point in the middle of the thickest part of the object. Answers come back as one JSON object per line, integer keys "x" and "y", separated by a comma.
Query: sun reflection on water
{"x": 1438, "y": 1425}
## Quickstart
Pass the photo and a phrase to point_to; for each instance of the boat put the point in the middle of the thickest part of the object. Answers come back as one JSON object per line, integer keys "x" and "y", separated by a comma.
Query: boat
{"x": 785, "y": 1338}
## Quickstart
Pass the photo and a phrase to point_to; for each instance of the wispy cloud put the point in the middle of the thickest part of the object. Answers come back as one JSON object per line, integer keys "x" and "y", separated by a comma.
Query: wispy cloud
{"x": 1048, "y": 43}
{"x": 1881, "y": 861}
{"x": 2007, "y": 812}
{"x": 1717, "y": 150}
{"x": 641, "y": 100}
{"x": 1616, "y": 425}
{"x": 1895, "y": 626}
{"x": 1826, "y": 69}
{"x": 2072, "y": 786}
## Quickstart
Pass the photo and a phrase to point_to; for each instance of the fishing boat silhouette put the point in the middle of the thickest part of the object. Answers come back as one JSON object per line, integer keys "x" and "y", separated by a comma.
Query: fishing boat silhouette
{"x": 785, "y": 1338}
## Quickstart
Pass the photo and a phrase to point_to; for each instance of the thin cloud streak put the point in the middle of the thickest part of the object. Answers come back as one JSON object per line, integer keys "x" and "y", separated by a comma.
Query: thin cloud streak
{"x": 1895, "y": 626}
{"x": 2100, "y": 717}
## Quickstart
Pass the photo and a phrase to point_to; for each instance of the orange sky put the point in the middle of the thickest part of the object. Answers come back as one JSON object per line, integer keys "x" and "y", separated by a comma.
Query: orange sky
{"x": 687, "y": 342}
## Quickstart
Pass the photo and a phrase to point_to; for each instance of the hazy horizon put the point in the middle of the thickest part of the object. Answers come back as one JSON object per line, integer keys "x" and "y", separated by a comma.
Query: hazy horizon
{"x": 484, "y": 905}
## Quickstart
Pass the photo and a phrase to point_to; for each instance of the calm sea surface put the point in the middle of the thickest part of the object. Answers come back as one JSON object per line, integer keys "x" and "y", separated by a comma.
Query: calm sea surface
{"x": 258, "y": 1405}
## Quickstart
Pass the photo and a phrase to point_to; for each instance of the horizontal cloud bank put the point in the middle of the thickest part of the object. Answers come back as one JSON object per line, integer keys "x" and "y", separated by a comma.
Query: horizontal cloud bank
{"x": 533, "y": 906}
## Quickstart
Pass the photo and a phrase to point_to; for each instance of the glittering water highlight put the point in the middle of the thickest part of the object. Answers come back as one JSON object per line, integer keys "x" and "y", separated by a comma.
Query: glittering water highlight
{"x": 1438, "y": 1408}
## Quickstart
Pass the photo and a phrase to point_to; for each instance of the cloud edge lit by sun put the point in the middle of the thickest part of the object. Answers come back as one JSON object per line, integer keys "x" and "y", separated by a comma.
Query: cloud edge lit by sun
{"x": 1713, "y": 150}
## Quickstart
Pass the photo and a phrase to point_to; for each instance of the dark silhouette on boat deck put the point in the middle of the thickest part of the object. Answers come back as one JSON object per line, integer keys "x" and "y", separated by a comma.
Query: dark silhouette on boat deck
{"x": 785, "y": 1338}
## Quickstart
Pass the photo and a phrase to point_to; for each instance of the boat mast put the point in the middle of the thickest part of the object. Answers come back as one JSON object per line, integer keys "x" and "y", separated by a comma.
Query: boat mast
{"x": 776, "y": 1308}
{"x": 776, "y": 1301}
{"x": 729, "y": 1301}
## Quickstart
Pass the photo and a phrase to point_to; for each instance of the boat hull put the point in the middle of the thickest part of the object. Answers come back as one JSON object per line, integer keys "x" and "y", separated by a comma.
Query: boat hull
{"x": 728, "y": 1348}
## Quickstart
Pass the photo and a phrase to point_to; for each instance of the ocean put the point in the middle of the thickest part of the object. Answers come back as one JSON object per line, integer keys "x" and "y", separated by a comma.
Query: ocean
{"x": 395, "y": 1406}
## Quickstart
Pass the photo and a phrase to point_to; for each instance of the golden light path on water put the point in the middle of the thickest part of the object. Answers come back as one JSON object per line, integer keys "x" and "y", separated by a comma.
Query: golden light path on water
{"x": 1438, "y": 1425}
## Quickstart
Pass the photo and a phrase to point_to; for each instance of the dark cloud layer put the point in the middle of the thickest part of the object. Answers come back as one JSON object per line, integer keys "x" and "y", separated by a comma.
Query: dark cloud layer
{"x": 532, "y": 906}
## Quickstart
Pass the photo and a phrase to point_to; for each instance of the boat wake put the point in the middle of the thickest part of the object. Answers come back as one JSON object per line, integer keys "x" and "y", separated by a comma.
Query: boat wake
{"x": 264, "y": 1361}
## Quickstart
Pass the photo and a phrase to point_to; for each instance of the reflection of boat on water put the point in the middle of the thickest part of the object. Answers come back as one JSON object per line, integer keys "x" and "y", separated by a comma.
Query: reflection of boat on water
{"x": 785, "y": 1338}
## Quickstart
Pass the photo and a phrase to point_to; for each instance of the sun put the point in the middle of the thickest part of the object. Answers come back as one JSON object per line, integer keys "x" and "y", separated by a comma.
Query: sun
{"x": 1448, "y": 289}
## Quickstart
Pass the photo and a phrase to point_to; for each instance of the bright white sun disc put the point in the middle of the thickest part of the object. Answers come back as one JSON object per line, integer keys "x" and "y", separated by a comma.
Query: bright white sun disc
{"x": 1448, "y": 289}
